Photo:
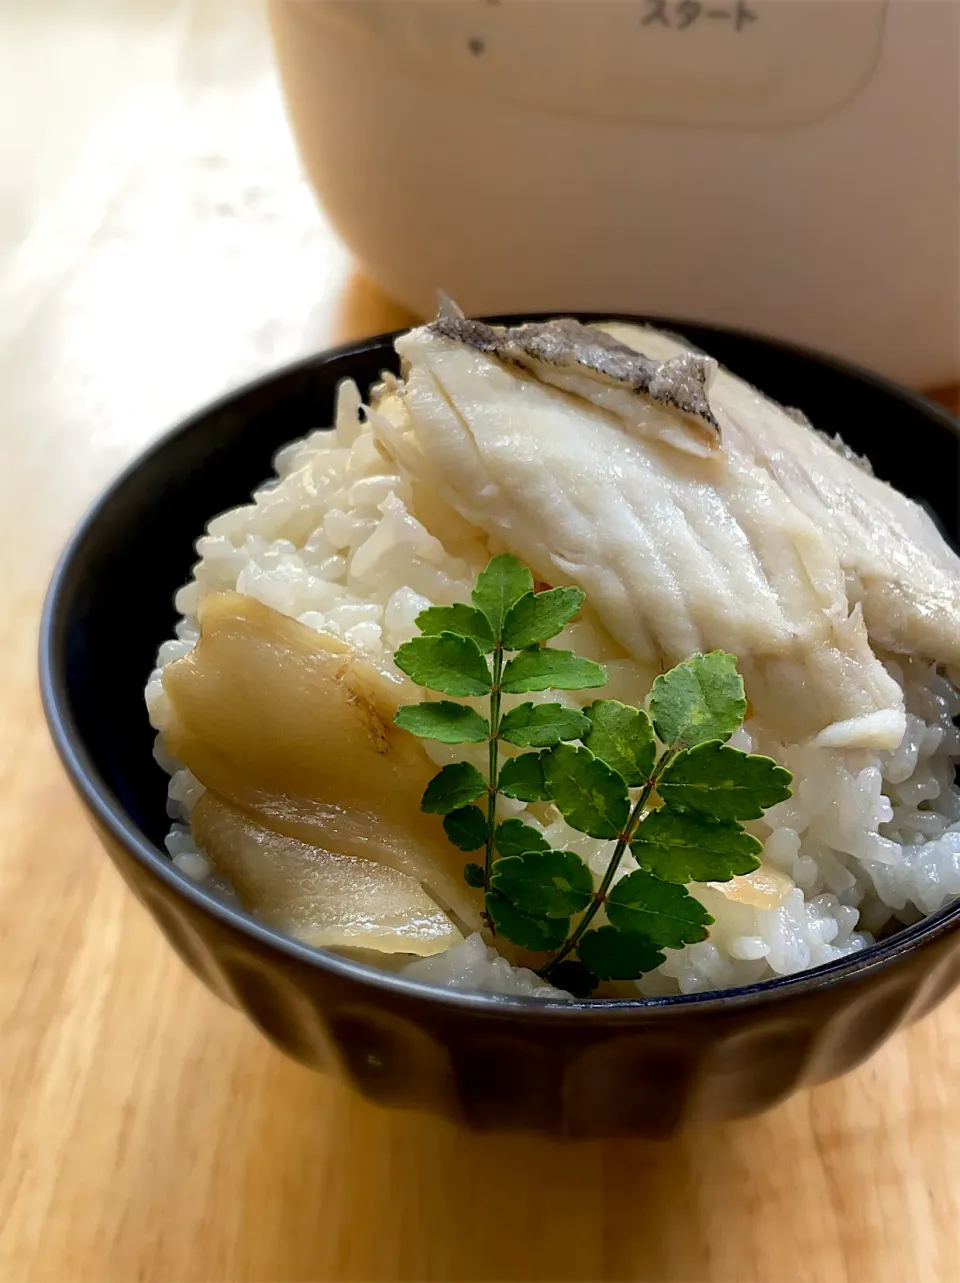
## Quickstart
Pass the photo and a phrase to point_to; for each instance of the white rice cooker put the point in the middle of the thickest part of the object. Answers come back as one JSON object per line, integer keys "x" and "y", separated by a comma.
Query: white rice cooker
{"x": 790, "y": 166}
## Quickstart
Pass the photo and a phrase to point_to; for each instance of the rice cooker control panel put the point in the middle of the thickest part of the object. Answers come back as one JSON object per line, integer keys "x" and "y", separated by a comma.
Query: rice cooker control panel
{"x": 759, "y": 64}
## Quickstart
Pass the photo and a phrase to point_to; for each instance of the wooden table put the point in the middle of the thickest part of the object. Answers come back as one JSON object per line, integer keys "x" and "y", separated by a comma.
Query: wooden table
{"x": 157, "y": 244}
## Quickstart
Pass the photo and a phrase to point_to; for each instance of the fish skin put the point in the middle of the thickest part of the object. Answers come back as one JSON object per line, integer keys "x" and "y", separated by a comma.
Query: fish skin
{"x": 680, "y": 383}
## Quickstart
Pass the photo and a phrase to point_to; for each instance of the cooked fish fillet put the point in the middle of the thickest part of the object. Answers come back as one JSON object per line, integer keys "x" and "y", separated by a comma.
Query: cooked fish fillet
{"x": 772, "y": 544}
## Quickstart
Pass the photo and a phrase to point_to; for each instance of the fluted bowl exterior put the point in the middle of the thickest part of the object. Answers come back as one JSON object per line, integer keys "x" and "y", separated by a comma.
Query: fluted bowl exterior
{"x": 570, "y": 1069}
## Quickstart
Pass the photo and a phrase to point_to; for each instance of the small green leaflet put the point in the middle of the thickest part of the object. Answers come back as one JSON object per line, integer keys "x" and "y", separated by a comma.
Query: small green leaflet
{"x": 541, "y": 934}
{"x": 513, "y": 837}
{"x": 701, "y": 699}
{"x": 522, "y": 778}
{"x": 537, "y": 617}
{"x": 499, "y": 587}
{"x": 549, "y": 669}
{"x": 574, "y": 977}
{"x": 474, "y": 875}
{"x": 542, "y": 725}
{"x": 615, "y": 955}
{"x": 667, "y": 915}
{"x": 446, "y": 663}
{"x": 449, "y": 723}
{"x": 589, "y": 795}
{"x": 454, "y": 787}
{"x": 549, "y": 884}
{"x": 684, "y": 846}
{"x": 622, "y": 737}
{"x": 466, "y": 828}
{"x": 723, "y": 782}
{"x": 461, "y": 619}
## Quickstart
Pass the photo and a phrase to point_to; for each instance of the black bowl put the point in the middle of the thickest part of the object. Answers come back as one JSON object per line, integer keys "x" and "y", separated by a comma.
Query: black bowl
{"x": 569, "y": 1069}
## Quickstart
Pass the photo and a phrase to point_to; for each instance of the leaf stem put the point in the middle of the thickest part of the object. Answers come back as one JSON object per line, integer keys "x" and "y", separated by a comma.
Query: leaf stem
{"x": 623, "y": 841}
{"x": 493, "y": 760}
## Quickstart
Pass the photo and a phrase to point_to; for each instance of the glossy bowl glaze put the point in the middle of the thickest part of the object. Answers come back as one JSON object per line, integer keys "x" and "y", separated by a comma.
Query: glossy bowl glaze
{"x": 565, "y": 1068}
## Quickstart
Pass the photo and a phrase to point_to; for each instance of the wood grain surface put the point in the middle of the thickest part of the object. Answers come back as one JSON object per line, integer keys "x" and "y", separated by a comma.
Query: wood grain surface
{"x": 158, "y": 244}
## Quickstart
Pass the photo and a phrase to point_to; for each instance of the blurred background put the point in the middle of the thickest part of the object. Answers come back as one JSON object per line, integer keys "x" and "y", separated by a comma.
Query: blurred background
{"x": 160, "y": 241}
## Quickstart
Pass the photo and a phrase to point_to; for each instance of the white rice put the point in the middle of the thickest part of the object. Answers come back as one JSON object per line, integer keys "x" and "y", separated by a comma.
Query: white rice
{"x": 342, "y": 541}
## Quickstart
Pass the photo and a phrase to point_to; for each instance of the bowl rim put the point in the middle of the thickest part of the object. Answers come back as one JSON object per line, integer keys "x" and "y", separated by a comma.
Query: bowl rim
{"x": 108, "y": 812}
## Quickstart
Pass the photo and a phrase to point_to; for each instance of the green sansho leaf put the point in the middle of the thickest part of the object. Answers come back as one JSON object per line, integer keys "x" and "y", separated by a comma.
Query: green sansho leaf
{"x": 446, "y": 663}
{"x": 466, "y": 828}
{"x": 701, "y": 699}
{"x": 532, "y": 892}
{"x": 666, "y": 914}
{"x": 549, "y": 669}
{"x": 536, "y": 617}
{"x": 513, "y": 837}
{"x": 529, "y": 932}
{"x": 723, "y": 782}
{"x": 614, "y": 955}
{"x": 449, "y": 723}
{"x": 549, "y": 884}
{"x": 622, "y": 737}
{"x": 590, "y": 796}
{"x": 522, "y": 778}
{"x": 574, "y": 977}
{"x": 542, "y": 725}
{"x": 461, "y": 619}
{"x": 686, "y": 846}
{"x": 499, "y": 587}
{"x": 454, "y": 787}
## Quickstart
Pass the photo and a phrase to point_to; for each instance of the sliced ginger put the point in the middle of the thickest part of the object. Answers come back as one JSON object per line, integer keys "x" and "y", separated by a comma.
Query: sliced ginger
{"x": 295, "y": 729}
{"x": 319, "y": 896}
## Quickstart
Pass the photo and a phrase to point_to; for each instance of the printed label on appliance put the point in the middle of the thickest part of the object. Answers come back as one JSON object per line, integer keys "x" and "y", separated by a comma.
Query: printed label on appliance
{"x": 750, "y": 63}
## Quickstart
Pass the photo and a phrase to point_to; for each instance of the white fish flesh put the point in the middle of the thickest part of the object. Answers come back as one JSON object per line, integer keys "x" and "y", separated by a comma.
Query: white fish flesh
{"x": 736, "y": 526}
